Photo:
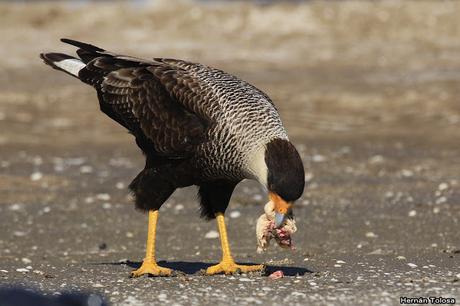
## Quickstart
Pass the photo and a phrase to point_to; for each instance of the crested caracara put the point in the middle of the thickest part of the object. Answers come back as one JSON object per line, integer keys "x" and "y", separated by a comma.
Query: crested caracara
{"x": 196, "y": 125}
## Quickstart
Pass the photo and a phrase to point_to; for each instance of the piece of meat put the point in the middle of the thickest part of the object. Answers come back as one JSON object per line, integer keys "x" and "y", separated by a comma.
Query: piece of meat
{"x": 276, "y": 275}
{"x": 265, "y": 230}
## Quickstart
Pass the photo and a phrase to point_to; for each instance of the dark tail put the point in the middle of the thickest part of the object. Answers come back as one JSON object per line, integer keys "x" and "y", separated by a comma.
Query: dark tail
{"x": 82, "y": 45}
{"x": 85, "y": 51}
{"x": 70, "y": 64}
{"x": 92, "y": 63}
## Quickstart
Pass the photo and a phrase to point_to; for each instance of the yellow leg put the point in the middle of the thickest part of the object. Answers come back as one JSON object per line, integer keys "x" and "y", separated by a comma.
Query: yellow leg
{"x": 227, "y": 264}
{"x": 149, "y": 265}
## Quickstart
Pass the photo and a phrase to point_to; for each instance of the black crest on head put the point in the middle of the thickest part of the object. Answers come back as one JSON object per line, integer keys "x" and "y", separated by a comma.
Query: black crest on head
{"x": 286, "y": 175}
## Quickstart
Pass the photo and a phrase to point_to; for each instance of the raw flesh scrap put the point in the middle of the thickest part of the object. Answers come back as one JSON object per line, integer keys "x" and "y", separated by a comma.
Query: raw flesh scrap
{"x": 265, "y": 230}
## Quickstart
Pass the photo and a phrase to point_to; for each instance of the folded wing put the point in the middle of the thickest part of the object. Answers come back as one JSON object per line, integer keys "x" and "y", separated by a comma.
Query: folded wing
{"x": 158, "y": 101}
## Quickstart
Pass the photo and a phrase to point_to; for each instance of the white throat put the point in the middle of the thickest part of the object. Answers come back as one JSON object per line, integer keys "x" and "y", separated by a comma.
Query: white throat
{"x": 257, "y": 167}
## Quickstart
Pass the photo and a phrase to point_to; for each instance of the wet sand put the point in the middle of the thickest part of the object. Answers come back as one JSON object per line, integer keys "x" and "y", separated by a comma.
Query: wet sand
{"x": 368, "y": 91}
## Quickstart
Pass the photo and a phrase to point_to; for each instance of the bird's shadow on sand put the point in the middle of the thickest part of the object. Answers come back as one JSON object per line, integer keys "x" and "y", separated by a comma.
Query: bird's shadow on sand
{"x": 191, "y": 268}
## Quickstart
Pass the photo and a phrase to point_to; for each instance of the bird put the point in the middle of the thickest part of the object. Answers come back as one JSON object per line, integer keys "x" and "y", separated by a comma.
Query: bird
{"x": 196, "y": 125}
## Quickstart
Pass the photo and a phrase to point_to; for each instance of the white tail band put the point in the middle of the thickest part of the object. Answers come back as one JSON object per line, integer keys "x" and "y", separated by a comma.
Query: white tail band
{"x": 72, "y": 66}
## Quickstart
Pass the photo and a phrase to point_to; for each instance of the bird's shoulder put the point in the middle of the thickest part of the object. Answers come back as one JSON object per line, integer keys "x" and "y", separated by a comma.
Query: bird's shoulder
{"x": 155, "y": 99}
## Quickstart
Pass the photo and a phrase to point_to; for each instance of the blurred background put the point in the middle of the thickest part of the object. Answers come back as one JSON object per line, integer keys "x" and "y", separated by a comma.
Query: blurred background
{"x": 369, "y": 91}
{"x": 330, "y": 66}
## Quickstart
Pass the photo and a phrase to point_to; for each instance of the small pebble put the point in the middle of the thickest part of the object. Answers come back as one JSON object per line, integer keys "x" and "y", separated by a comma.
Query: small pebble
{"x": 401, "y": 258}
{"x": 179, "y": 207}
{"x": 376, "y": 159}
{"x": 211, "y": 235}
{"x": 103, "y": 196}
{"x": 412, "y": 213}
{"x": 389, "y": 194}
{"x": 266, "y": 289}
{"x": 377, "y": 252}
{"x": 22, "y": 270}
{"x": 371, "y": 235}
{"x": 412, "y": 265}
{"x": 26, "y": 261}
{"x": 106, "y": 205}
{"x": 235, "y": 214}
{"x": 36, "y": 176}
{"x": 443, "y": 186}
{"x": 120, "y": 185}
{"x": 86, "y": 169}
{"x": 252, "y": 300}
{"x": 129, "y": 235}
{"x": 407, "y": 173}
{"x": 441, "y": 200}
{"x": 19, "y": 233}
{"x": 16, "y": 207}
{"x": 317, "y": 158}
{"x": 309, "y": 176}
{"x": 306, "y": 202}
{"x": 58, "y": 167}
{"x": 162, "y": 296}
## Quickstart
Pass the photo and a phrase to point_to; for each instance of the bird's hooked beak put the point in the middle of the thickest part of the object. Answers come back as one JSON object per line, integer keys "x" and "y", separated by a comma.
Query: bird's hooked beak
{"x": 281, "y": 208}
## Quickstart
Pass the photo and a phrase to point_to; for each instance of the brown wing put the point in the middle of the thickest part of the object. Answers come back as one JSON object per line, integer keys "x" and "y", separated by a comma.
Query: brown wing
{"x": 155, "y": 101}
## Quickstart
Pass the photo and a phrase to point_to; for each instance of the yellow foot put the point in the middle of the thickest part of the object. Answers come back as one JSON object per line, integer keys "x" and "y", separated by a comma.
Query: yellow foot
{"x": 151, "y": 268}
{"x": 230, "y": 267}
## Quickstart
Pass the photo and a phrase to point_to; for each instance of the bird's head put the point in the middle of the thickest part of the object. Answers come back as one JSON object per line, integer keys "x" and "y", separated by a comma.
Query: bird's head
{"x": 283, "y": 175}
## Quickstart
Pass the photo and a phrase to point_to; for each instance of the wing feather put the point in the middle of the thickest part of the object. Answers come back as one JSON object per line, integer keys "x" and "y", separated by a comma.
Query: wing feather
{"x": 156, "y": 100}
{"x": 147, "y": 104}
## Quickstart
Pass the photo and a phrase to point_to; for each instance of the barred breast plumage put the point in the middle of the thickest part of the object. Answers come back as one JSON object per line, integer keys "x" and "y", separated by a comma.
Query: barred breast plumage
{"x": 245, "y": 119}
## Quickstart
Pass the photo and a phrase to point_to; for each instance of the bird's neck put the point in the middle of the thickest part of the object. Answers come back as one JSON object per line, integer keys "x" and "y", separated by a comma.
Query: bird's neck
{"x": 257, "y": 167}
